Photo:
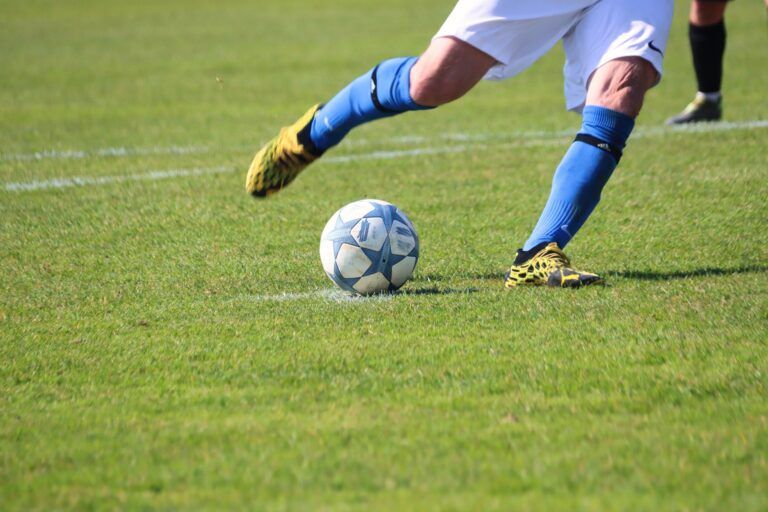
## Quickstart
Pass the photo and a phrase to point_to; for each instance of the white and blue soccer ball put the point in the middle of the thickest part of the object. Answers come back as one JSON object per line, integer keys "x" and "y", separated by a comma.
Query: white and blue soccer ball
{"x": 369, "y": 247}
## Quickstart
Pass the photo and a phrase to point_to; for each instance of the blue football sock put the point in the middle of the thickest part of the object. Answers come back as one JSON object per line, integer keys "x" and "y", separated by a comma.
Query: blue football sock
{"x": 384, "y": 91}
{"x": 581, "y": 175}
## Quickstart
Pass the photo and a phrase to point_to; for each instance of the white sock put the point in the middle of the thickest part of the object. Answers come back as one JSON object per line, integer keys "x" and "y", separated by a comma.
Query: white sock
{"x": 713, "y": 97}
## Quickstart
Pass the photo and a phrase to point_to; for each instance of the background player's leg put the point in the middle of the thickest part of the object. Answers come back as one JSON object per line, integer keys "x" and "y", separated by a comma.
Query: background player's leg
{"x": 707, "y": 36}
{"x": 614, "y": 98}
{"x": 706, "y": 33}
{"x": 706, "y": 12}
{"x": 446, "y": 71}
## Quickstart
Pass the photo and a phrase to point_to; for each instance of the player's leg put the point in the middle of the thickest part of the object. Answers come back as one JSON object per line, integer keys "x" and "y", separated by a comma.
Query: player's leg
{"x": 614, "y": 99}
{"x": 617, "y": 68}
{"x": 446, "y": 71}
{"x": 706, "y": 33}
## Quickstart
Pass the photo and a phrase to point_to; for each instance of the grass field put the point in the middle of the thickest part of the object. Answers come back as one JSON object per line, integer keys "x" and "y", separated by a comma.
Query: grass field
{"x": 167, "y": 342}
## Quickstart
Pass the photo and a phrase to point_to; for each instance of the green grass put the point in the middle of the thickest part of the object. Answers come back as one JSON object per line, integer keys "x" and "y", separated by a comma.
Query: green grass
{"x": 152, "y": 359}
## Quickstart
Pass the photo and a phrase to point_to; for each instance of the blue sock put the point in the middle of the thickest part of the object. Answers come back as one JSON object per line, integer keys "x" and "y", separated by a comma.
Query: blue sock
{"x": 581, "y": 175}
{"x": 384, "y": 91}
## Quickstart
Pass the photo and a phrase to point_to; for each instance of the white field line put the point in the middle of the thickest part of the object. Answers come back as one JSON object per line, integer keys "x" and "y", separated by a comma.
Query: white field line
{"x": 525, "y": 139}
{"x": 54, "y": 154}
{"x": 82, "y": 181}
{"x": 328, "y": 294}
{"x": 388, "y": 155}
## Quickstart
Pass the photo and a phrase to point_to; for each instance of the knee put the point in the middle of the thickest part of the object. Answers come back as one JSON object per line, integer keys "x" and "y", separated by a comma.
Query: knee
{"x": 706, "y": 13}
{"x": 621, "y": 85}
{"x": 446, "y": 71}
{"x": 431, "y": 87}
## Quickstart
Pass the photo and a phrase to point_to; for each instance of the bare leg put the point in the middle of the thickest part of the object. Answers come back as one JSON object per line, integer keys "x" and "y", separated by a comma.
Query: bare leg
{"x": 447, "y": 70}
{"x": 705, "y": 13}
{"x": 621, "y": 84}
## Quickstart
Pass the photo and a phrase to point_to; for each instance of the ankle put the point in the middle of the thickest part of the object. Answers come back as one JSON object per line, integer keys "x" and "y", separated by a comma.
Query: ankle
{"x": 305, "y": 139}
{"x": 524, "y": 255}
{"x": 711, "y": 97}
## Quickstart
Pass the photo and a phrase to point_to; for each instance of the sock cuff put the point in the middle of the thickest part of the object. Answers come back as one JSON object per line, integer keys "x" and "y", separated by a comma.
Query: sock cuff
{"x": 392, "y": 91}
{"x": 713, "y": 96}
{"x": 607, "y": 125}
{"x": 524, "y": 255}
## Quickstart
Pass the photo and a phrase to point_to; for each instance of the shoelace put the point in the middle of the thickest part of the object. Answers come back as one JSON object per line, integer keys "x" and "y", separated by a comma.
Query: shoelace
{"x": 555, "y": 259}
{"x": 285, "y": 159}
{"x": 279, "y": 160}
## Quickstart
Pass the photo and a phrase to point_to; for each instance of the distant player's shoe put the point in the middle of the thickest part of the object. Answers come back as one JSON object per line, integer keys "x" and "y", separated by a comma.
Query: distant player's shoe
{"x": 283, "y": 158}
{"x": 699, "y": 110}
{"x": 547, "y": 266}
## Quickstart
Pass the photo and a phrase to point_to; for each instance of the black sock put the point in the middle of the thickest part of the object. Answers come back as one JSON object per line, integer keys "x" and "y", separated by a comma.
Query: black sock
{"x": 523, "y": 256}
{"x": 708, "y": 46}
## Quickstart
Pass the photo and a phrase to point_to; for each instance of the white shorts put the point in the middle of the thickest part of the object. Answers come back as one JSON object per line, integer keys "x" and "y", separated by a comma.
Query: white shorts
{"x": 518, "y": 32}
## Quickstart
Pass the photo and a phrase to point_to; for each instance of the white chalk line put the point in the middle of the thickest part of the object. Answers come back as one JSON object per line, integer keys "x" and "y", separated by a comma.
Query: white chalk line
{"x": 66, "y": 154}
{"x": 342, "y": 297}
{"x": 387, "y": 155}
{"x": 81, "y": 181}
{"x": 117, "y": 152}
{"x": 543, "y": 139}
{"x": 328, "y": 294}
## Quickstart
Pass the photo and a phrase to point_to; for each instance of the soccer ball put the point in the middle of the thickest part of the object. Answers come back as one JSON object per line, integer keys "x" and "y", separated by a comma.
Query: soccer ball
{"x": 369, "y": 247}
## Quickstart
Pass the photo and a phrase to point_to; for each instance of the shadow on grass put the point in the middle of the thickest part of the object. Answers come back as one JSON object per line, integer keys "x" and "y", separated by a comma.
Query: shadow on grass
{"x": 645, "y": 275}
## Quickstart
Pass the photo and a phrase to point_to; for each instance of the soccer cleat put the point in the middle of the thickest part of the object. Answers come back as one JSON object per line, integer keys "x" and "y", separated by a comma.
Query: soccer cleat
{"x": 699, "y": 110}
{"x": 548, "y": 266}
{"x": 282, "y": 159}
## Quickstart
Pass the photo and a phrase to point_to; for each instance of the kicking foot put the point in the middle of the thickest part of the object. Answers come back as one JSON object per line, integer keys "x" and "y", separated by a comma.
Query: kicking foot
{"x": 283, "y": 158}
{"x": 547, "y": 266}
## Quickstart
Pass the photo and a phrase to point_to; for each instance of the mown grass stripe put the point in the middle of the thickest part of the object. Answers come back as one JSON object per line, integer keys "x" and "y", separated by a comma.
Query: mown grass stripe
{"x": 545, "y": 138}
{"x": 123, "y": 152}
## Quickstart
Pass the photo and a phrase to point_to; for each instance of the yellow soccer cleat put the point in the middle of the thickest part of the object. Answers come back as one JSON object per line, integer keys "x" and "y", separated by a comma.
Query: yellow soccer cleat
{"x": 549, "y": 266}
{"x": 282, "y": 159}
